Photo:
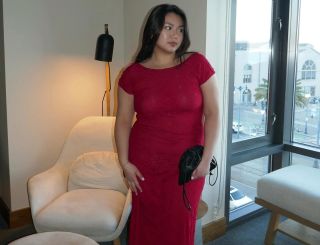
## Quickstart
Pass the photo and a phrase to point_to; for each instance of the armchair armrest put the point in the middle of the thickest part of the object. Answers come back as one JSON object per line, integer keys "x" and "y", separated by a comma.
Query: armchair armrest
{"x": 124, "y": 216}
{"x": 46, "y": 186}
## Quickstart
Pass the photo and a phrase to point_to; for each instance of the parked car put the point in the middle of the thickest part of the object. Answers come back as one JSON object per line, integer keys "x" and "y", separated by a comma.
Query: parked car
{"x": 237, "y": 127}
{"x": 314, "y": 100}
{"x": 238, "y": 198}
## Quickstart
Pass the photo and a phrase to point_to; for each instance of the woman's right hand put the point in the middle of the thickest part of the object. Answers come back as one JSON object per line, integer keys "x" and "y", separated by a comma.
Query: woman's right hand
{"x": 133, "y": 175}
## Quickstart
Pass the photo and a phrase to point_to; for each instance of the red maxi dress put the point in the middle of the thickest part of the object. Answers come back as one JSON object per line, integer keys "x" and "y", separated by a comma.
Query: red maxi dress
{"x": 169, "y": 108}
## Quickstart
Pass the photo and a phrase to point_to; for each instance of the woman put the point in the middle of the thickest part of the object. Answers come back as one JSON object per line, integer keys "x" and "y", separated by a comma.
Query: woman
{"x": 175, "y": 97}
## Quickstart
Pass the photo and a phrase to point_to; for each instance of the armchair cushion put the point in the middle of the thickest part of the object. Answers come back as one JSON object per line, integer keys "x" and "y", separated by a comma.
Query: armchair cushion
{"x": 90, "y": 212}
{"x": 98, "y": 170}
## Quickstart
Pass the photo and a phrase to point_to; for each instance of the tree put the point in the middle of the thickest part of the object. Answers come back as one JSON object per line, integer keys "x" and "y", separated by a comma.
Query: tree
{"x": 300, "y": 97}
{"x": 262, "y": 93}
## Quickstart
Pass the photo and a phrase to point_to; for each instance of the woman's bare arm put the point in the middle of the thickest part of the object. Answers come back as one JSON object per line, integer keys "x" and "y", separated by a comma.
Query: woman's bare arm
{"x": 211, "y": 125}
{"x": 123, "y": 126}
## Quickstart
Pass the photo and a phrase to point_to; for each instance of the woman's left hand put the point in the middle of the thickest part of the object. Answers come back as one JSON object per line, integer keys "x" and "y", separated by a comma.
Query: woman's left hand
{"x": 201, "y": 171}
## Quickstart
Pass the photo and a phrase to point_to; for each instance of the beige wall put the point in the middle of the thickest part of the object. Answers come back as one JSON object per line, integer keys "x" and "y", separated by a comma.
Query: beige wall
{"x": 52, "y": 79}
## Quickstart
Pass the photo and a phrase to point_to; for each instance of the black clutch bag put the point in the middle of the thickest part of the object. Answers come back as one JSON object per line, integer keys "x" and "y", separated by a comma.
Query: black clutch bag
{"x": 189, "y": 161}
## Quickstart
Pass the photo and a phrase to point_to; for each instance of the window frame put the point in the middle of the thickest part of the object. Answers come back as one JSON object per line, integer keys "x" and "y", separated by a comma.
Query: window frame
{"x": 280, "y": 143}
{"x": 291, "y": 75}
{"x": 272, "y": 143}
{"x": 261, "y": 146}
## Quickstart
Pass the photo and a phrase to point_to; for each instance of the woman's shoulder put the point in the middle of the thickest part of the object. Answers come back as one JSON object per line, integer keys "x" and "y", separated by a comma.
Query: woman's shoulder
{"x": 194, "y": 56}
{"x": 129, "y": 69}
{"x": 200, "y": 64}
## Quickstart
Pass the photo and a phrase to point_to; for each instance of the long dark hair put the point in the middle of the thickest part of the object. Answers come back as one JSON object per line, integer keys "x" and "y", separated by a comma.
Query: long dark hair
{"x": 153, "y": 27}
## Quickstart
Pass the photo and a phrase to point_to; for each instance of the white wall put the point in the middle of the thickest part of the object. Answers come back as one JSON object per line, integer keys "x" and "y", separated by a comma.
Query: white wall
{"x": 217, "y": 46}
{"x": 52, "y": 79}
{"x": 214, "y": 47}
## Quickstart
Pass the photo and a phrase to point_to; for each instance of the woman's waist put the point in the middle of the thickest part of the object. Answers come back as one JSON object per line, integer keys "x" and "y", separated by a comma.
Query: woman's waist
{"x": 179, "y": 128}
{"x": 159, "y": 133}
{"x": 162, "y": 142}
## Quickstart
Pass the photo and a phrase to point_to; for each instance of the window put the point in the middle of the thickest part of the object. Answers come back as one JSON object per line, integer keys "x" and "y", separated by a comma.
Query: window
{"x": 247, "y": 73}
{"x": 306, "y": 126}
{"x": 243, "y": 186}
{"x": 275, "y": 117}
{"x": 247, "y": 78}
{"x": 251, "y": 74}
{"x": 308, "y": 70}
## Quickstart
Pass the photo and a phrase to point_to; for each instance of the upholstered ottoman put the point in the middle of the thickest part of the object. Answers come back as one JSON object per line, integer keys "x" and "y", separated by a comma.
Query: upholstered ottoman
{"x": 293, "y": 192}
{"x": 59, "y": 237}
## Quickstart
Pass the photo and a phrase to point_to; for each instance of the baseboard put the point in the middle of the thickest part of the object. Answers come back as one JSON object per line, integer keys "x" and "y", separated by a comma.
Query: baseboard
{"x": 20, "y": 217}
{"x": 4, "y": 211}
{"x": 214, "y": 230}
{"x": 16, "y": 218}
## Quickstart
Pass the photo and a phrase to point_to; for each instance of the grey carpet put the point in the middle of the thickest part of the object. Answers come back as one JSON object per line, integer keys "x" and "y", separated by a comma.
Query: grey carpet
{"x": 252, "y": 232}
{"x": 9, "y": 235}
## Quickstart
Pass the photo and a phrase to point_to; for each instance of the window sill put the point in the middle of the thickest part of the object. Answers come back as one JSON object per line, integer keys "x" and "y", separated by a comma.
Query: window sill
{"x": 253, "y": 153}
{"x": 302, "y": 149}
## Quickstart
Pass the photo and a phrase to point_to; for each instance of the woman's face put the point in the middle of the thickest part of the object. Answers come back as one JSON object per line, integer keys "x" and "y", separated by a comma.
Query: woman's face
{"x": 171, "y": 35}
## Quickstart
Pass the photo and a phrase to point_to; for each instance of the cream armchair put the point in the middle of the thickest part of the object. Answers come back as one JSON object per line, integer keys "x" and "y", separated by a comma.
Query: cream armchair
{"x": 61, "y": 200}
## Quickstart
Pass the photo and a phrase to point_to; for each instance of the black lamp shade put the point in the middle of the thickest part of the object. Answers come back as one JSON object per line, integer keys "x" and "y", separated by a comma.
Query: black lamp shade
{"x": 104, "y": 47}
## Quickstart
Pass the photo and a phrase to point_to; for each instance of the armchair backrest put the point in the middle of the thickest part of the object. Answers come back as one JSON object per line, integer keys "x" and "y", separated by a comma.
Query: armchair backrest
{"x": 89, "y": 134}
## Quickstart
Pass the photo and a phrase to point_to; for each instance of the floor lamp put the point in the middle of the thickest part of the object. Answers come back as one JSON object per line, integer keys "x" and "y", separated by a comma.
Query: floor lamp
{"x": 104, "y": 50}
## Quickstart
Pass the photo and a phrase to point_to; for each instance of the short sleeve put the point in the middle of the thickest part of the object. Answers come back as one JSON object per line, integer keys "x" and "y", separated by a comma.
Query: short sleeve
{"x": 125, "y": 82}
{"x": 205, "y": 69}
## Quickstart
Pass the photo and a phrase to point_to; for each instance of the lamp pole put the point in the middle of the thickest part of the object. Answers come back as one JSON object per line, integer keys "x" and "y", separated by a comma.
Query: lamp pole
{"x": 239, "y": 111}
{"x": 318, "y": 133}
{"x": 307, "y": 96}
{"x": 306, "y": 125}
{"x": 108, "y": 88}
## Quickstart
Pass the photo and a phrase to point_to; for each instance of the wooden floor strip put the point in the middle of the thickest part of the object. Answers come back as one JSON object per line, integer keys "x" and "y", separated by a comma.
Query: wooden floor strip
{"x": 302, "y": 233}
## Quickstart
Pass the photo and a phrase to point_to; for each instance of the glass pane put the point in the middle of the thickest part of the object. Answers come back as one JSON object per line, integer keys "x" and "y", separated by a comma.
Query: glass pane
{"x": 307, "y": 91}
{"x": 251, "y": 74}
{"x": 244, "y": 177}
{"x": 303, "y": 160}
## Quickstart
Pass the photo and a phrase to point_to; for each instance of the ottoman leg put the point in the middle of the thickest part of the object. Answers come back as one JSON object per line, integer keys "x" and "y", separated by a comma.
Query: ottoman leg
{"x": 272, "y": 228}
{"x": 116, "y": 241}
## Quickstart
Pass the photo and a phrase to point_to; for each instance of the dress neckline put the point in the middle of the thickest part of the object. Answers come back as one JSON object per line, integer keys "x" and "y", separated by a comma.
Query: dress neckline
{"x": 167, "y": 68}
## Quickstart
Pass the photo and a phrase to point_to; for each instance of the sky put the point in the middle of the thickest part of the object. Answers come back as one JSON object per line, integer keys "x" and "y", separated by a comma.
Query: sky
{"x": 309, "y": 21}
{"x": 254, "y": 21}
